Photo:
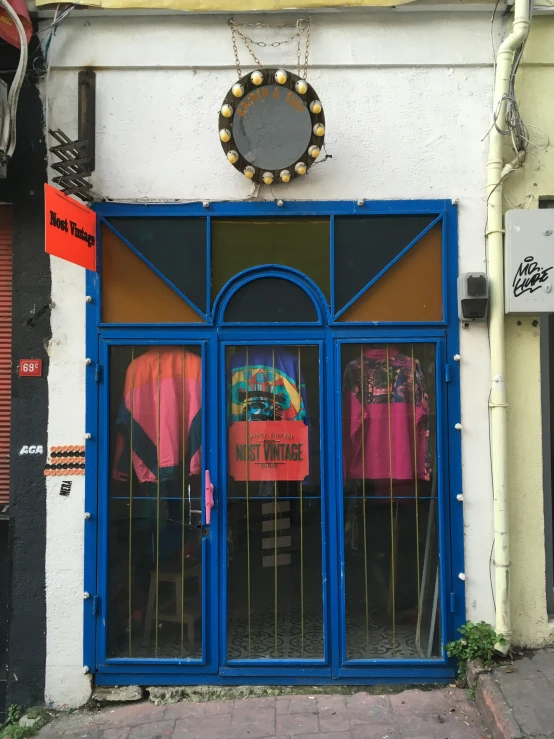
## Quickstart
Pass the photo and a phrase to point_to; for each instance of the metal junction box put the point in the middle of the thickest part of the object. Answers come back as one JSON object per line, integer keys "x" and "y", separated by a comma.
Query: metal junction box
{"x": 529, "y": 261}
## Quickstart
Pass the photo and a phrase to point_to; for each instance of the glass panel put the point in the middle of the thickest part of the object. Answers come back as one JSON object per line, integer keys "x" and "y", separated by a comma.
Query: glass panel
{"x": 155, "y": 502}
{"x": 270, "y": 300}
{"x": 133, "y": 293}
{"x": 411, "y": 290}
{"x": 274, "y": 132}
{"x": 364, "y": 246}
{"x": 300, "y": 243}
{"x": 274, "y": 548}
{"x": 175, "y": 246}
{"x": 391, "y": 545}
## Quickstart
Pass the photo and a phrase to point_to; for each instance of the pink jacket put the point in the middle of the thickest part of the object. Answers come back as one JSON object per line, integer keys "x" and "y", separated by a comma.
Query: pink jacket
{"x": 394, "y": 410}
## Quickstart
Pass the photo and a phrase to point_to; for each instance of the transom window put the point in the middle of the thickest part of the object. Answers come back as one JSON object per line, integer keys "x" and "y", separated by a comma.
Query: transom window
{"x": 374, "y": 268}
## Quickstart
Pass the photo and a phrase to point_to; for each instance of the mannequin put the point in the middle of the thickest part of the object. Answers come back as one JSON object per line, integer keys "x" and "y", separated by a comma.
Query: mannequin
{"x": 393, "y": 406}
{"x": 157, "y": 463}
{"x": 161, "y": 412}
{"x": 386, "y": 461}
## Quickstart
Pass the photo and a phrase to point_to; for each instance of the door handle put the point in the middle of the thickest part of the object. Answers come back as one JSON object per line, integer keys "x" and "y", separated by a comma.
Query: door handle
{"x": 209, "y": 498}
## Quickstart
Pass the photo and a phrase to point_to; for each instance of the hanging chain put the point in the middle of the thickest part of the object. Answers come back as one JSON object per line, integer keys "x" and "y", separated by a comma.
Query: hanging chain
{"x": 298, "y": 48}
{"x": 303, "y": 73}
{"x": 235, "y": 50}
{"x": 301, "y": 26}
{"x": 307, "y": 56}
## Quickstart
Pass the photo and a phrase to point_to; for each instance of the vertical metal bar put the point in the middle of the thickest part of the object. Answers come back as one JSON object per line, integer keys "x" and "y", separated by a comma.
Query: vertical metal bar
{"x": 416, "y": 490}
{"x": 426, "y": 564}
{"x": 131, "y": 502}
{"x": 364, "y": 510}
{"x": 209, "y": 269}
{"x": 392, "y": 522}
{"x": 433, "y": 616}
{"x": 86, "y": 113}
{"x": 332, "y": 263}
{"x": 156, "y": 625}
{"x": 275, "y": 574}
{"x": 248, "y": 512}
{"x": 301, "y": 526}
{"x": 183, "y": 452}
{"x": 546, "y": 373}
{"x": 96, "y": 449}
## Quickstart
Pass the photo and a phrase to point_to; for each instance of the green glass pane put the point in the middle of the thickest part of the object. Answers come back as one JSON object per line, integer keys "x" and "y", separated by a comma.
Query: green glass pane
{"x": 300, "y": 243}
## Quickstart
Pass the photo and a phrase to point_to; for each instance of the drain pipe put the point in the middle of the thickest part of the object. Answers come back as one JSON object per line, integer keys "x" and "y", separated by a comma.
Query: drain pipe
{"x": 495, "y": 232}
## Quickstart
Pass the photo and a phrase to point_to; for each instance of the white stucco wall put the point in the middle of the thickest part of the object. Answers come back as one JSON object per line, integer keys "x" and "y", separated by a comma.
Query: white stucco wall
{"x": 407, "y": 102}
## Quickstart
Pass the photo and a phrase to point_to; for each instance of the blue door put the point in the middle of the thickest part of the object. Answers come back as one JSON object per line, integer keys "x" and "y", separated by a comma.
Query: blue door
{"x": 157, "y": 505}
{"x": 275, "y": 470}
{"x": 274, "y": 502}
{"x": 390, "y": 499}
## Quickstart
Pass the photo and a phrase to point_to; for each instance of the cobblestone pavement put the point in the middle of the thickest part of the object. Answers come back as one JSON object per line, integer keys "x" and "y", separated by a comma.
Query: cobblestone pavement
{"x": 412, "y": 714}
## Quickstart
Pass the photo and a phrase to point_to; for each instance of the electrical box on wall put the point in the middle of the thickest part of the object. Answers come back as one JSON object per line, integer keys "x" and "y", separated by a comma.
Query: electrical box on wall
{"x": 529, "y": 261}
{"x": 473, "y": 296}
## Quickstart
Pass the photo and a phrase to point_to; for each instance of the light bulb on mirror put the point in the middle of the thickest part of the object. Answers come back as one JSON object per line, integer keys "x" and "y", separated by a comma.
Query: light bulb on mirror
{"x": 225, "y": 135}
{"x": 227, "y": 111}
{"x": 301, "y": 87}
{"x": 232, "y": 156}
{"x": 281, "y": 76}
{"x": 316, "y": 107}
{"x": 257, "y": 78}
{"x": 267, "y": 178}
{"x": 249, "y": 172}
{"x": 314, "y": 151}
{"x": 300, "y": 168}
{"x": 319, "y": 129}
{"x": 237, "y": 90}
{"x": 285, "y": 175}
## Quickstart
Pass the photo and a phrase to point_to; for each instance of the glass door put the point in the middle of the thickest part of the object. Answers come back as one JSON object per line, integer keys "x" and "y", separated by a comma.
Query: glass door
{"x": 156, "y": 510}
{"x": 274, "y": 567}
{"x": 391, "y": 599}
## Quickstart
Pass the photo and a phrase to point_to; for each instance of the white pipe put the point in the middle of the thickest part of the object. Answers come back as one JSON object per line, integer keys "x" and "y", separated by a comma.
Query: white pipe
{"x": 495, "y": 232}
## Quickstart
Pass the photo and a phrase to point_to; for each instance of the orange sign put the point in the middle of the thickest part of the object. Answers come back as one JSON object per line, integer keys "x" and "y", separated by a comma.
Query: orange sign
{"x": 268, "y": 450}
{"x": 70, "y": 229}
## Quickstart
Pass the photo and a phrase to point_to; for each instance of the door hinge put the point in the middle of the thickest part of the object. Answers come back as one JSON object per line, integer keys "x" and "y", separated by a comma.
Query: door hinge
{"x": 97, "y": 373}
{"x": 447, "y": 373}
{"x": 95, "y": 605}
{"x": 452, "y": 602}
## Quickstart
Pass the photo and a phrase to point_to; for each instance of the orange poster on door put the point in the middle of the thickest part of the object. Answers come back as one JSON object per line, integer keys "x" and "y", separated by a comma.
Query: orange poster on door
{"x": 272, "y": 450}
{"x": 69, "y": 229}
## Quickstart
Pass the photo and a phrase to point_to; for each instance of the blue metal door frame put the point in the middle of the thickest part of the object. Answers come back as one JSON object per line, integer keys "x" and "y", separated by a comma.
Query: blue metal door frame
{"x": 328, "y": 335}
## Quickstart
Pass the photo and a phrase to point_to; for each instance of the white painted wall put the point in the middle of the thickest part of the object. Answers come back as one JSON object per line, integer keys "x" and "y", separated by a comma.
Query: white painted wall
{"x": 407, "y": 103}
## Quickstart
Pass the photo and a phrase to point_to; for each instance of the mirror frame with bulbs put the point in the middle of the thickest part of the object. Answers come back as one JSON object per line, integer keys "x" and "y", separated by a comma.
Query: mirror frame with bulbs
{"x": 289, "y": 170}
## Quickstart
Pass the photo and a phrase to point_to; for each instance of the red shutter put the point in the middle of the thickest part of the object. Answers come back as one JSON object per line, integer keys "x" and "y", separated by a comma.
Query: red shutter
{"x": 5, "y": 349}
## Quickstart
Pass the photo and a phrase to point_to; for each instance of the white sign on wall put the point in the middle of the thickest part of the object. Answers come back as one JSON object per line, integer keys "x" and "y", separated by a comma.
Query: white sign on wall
{"x": 529, "y": 261}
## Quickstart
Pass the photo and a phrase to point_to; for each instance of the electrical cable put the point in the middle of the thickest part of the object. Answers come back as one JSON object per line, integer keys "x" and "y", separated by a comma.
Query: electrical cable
{"x": 8, "y": 135}
{"x": 53, "y": 27}
{"x": 513, "y": 125}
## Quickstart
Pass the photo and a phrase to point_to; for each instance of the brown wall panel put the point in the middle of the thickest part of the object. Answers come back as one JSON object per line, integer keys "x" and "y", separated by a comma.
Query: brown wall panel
{"x": 133, "y": 293}
{"x": 411, "y": 290}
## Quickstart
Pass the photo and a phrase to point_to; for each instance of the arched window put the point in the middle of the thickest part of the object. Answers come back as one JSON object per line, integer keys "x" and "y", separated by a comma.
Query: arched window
{"x": 270, "y": 300}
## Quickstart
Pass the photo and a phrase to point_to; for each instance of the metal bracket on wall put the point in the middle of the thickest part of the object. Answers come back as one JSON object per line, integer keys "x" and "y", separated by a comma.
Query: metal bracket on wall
{"x": 73, "y": 167}
{"x": 87, "y": 113}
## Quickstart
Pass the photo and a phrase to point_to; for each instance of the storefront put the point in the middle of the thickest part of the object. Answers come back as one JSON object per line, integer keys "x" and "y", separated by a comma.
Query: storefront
{"x": 296, "y": 366}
